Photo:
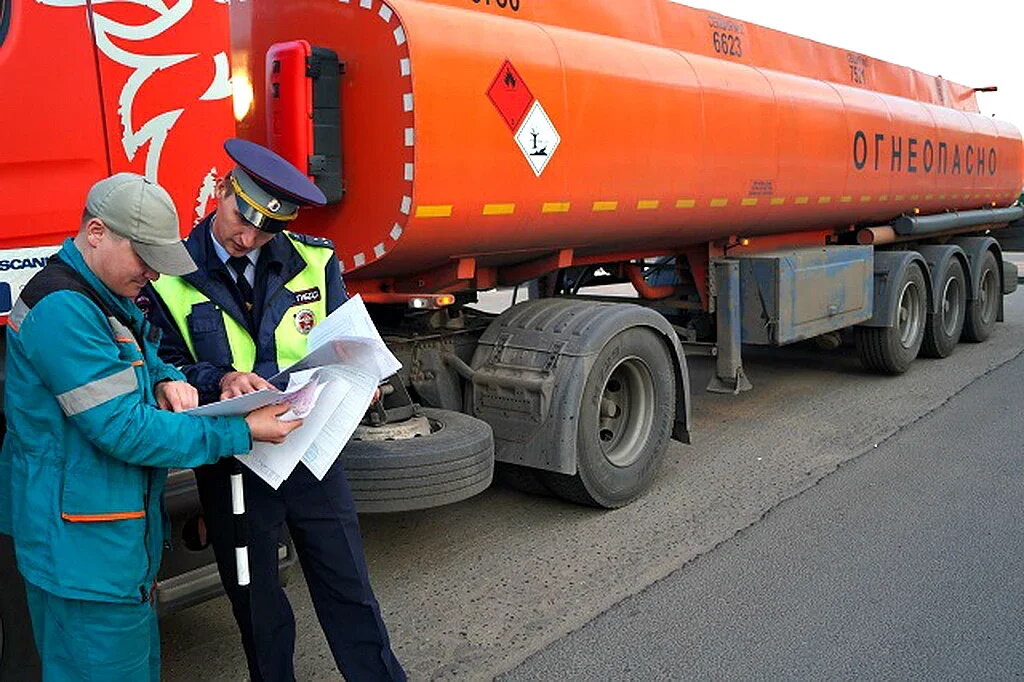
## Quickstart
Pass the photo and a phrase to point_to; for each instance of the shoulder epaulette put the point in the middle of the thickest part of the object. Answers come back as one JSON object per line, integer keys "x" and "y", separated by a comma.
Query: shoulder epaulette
{"x": 311, "y": 240}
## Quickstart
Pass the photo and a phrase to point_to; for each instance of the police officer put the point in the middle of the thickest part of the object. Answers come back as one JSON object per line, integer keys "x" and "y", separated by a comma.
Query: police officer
{"x": 242, "y": 316}
{"x": 87, "y": 448}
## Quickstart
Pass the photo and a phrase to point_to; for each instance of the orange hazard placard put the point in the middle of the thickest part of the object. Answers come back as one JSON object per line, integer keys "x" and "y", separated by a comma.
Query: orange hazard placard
{"x": 510, "y": 95}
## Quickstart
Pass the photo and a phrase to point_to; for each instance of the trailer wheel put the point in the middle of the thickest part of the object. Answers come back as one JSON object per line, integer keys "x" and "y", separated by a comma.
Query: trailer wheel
{"x": 18, "y": 657}
{"x": 625, "y": 422}
{"x": 892, "y": 349}
{"x": 945, "y": 326}
{"x": 984, "y": 309}
{"x": 454, "y": 462}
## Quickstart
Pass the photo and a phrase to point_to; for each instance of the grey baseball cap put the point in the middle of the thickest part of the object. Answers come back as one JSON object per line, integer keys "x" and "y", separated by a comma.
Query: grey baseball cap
{"x": 142, "y": 211}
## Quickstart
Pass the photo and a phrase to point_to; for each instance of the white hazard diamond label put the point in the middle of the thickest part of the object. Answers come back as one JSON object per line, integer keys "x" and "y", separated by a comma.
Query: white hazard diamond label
{"x": 537, "y": 138}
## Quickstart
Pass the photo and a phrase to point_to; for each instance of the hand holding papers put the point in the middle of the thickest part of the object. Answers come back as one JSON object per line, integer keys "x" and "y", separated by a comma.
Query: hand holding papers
{"x": 268, "y": 425}
{"x": 329, "y": 389}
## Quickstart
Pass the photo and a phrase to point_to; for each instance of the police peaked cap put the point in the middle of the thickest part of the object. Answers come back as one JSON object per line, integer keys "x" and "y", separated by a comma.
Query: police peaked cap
{"x": 268, "y": 189}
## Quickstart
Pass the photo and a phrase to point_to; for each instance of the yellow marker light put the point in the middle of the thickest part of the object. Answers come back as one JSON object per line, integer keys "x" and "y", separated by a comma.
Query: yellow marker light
{"x": 916, "y": 211}
{"x": 431, "y": 302}
{"x": 744, "y": 242}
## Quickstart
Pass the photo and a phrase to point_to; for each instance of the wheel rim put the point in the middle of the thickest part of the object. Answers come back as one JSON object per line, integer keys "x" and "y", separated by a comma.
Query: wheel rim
{"x": 989, "y": 296}
{"x": 952, "y": 306}
{"x": 910, "y": 314}
{"x": 626, "y": 412}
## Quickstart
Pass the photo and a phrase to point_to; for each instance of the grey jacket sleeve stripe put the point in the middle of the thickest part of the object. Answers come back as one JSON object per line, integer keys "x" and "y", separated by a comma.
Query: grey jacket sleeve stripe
{"x": 120, "y": 331}
{"x": 97, "y": 392}
{"x": 18, "y": 313}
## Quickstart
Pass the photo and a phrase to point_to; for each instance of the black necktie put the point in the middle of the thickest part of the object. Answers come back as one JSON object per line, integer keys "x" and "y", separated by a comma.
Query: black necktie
{"x": 239, "y": 264}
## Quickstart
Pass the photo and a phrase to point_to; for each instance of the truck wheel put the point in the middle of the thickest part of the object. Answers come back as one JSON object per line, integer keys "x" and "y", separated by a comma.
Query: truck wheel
{"x": 892, "y": 349}
{"x": 18, "y": 657}
{"x": 625, "y": 422}
{"x": 984, "y": 309}
{"x": 453, "y": 462}
{"x": 944, "y": 327}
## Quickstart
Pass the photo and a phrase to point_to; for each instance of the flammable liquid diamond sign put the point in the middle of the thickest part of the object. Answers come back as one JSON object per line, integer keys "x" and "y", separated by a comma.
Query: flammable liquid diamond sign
{"x": 510, "y": 95}
{"x": 537, "y": 138}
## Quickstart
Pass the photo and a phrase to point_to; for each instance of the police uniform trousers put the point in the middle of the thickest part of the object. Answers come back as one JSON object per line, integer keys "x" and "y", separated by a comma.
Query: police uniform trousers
{"x": 321, "y": 517}
{"x": 94, "y": 641}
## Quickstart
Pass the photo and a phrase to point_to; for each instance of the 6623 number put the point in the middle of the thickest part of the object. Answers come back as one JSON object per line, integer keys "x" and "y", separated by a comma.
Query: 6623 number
{"x": 728, "y": 44}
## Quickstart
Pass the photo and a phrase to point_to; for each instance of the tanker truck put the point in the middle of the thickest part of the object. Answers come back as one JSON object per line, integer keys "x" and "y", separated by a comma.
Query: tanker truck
{"x": 751, "y": 186}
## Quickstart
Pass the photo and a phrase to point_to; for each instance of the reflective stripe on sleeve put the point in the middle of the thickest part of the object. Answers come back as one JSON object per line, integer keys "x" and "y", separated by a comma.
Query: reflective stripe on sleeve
{"x": 121, "y": 332}
{"x": 97, "y": 392}
{"x": 17, "y": 314}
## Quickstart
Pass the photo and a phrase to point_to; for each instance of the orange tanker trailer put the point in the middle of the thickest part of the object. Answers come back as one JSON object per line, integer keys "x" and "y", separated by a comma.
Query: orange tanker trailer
{"x": 790, "y": 190}
{"x": 476, "y": 137}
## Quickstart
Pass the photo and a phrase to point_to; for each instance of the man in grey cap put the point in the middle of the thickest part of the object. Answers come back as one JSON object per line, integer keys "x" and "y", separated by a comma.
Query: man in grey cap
{"x": 91, "y": 431}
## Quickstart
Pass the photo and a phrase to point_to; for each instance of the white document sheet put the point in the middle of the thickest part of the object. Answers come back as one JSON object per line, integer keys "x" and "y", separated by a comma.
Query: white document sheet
{"x": 296, "y": 391}
{"x": 352, "y": 392}
{"x": 330, "y": 389}
{"x": 350, "y": 319}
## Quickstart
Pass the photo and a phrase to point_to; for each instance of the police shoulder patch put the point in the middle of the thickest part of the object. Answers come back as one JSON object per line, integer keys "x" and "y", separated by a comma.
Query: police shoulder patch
{"x": 311, "y": 240}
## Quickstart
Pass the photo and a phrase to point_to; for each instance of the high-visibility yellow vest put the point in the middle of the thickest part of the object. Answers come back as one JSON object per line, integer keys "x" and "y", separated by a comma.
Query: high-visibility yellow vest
{"x": 290, "y": 340}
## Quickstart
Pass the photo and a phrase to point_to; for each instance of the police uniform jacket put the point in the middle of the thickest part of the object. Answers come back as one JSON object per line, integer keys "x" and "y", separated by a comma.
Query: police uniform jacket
{"x": 207, "y": 356}
{"x": 84, "y": 460}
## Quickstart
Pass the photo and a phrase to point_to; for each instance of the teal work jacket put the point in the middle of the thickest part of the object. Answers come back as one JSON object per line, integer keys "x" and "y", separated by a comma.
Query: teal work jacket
{"x": 85, "y": 457}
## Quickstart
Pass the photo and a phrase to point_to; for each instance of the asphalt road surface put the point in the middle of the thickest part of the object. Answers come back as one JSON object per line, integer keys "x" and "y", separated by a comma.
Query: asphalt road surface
{"x": 903, "y": 564}
{"x": 472, "y": 590}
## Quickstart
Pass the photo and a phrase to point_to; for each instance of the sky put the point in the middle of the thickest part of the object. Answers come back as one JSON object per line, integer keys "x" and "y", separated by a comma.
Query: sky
{"x": 977, "y": 43}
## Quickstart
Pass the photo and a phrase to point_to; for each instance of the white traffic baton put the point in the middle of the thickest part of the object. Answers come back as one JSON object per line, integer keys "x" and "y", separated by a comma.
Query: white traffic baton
{"x": 241, "y": 528}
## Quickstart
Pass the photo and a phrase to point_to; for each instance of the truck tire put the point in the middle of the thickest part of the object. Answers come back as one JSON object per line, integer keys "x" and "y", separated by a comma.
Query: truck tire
{"x": 944, "y": 327}
{"x": 983, "y": 310}
{"x": 18, "y": 657}
{"x": 625, "y": 422}
{"x": 891, "y": 349}
{"x": 454, "y": 462}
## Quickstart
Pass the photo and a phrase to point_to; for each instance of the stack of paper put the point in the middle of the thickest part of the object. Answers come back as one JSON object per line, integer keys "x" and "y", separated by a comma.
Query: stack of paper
{"x": 330, "y": 389}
